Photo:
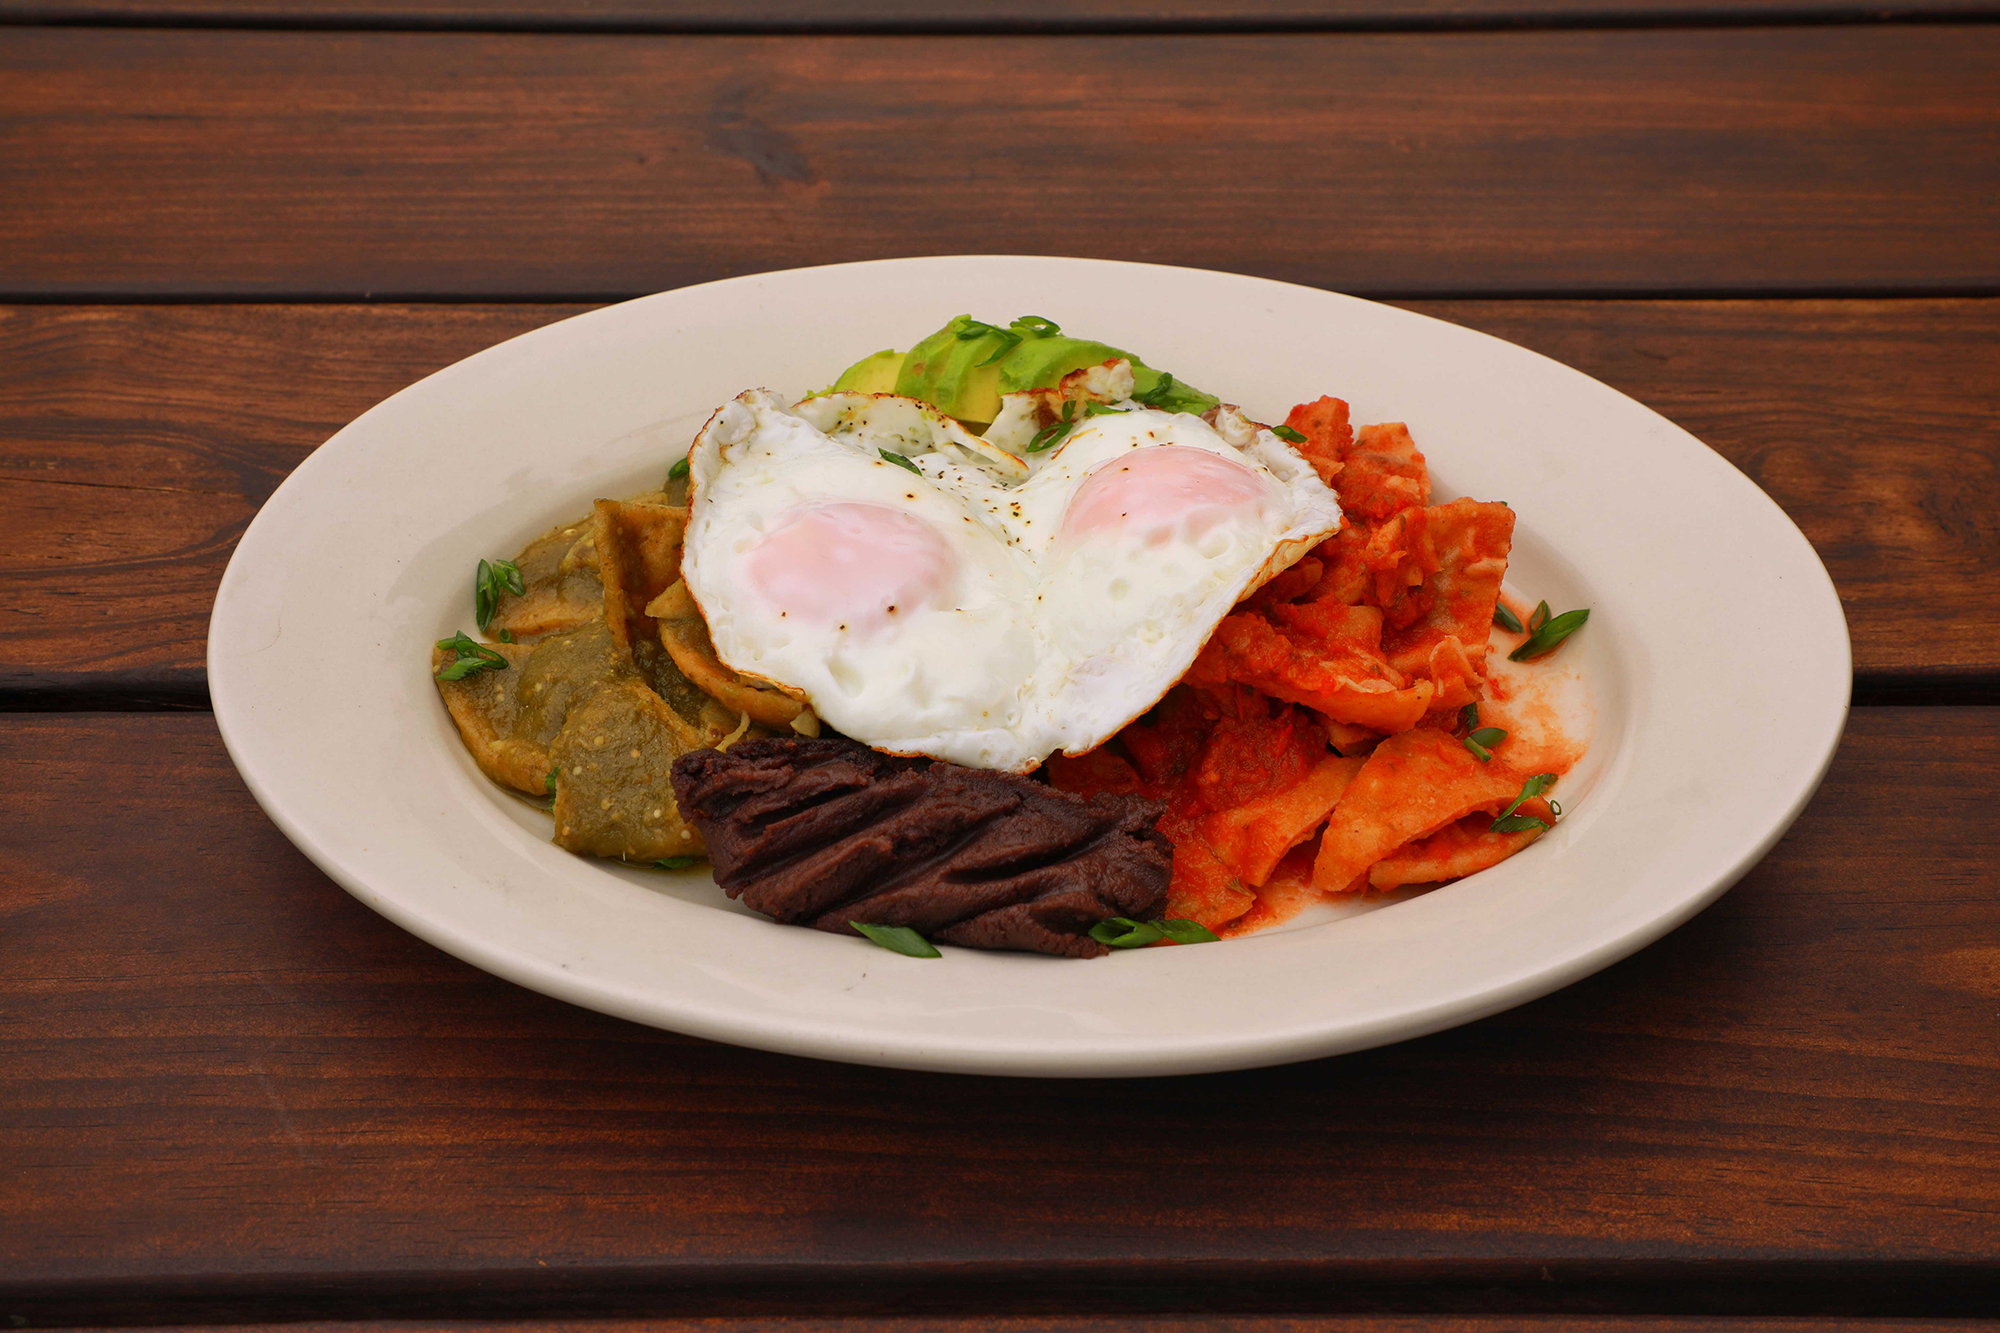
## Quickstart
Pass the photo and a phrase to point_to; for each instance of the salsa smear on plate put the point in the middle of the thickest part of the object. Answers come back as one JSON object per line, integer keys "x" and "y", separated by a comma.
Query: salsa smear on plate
{"x": 1027, "y": 645}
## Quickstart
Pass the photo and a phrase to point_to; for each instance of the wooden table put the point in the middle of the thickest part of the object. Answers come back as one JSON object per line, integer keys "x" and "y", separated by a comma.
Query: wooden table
{"x": 230, "y": 1093}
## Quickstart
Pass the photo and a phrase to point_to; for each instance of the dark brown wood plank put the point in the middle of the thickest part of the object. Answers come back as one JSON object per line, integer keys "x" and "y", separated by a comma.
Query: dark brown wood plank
{"x": 136, "y": 443}
{"x": 1816, "y": 159}
{"x": 1131, "y": 1323}
{"x": 223, "y": 1080}
{"x": 969, "y": 15}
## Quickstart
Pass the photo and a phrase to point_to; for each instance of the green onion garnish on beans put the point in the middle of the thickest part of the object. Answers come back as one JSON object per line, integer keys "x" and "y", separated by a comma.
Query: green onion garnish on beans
{"x": 1550, "y": 635}
{"x": 898, "y": 939}
{"x": 492, "y": 578}
{"x": 471, "y": 656}
{"x": 1288, "y": 435}
{"x": 900, "y": 461}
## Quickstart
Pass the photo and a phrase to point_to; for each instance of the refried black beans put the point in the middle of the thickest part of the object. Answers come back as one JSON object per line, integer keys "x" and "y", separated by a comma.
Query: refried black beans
{"x": 826, "y": 832}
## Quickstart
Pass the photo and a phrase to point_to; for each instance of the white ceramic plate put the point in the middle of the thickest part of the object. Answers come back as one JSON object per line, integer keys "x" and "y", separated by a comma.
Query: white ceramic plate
{"x": 1716, "y": 652}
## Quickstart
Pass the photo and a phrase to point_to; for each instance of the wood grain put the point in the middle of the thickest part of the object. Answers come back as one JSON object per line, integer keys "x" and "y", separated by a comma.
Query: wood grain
{"x": 1822, "y": 160}
{"x": 967, "y": 15}
{"x": 1131, "y": 1323}
{"x": 136, "y": 443}
{"x": 227, "y": 1086}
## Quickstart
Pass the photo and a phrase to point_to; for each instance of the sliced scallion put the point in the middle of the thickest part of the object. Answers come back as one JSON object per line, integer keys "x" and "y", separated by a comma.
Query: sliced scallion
{"x": 469, "y": 656}
{"x": 1122, "y": 932}
{"x": 1508, "y": 822}
{"x": 1550, "y": 634}
{"x": 492, "y": 578}
{"x": 898, "y": 939}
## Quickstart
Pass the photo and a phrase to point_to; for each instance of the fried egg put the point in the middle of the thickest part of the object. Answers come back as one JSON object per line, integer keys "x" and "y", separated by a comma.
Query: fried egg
{"x": 966, "y": 601}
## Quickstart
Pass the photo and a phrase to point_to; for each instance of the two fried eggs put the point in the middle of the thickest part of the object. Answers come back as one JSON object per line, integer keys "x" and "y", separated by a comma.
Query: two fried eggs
{"x": 976, "y": 602}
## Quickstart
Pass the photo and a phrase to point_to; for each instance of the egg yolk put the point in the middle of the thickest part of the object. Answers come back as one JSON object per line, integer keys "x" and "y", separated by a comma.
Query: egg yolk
{"x": 850, "y": 565}
{"x": 1161, "y": 493}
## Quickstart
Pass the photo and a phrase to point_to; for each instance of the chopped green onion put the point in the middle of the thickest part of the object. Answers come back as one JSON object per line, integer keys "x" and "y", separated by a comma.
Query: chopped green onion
{"x": 679, "y": 862}
{"x": 1550, "y": 635}
{"x": 1506, "y": 619}
{"x": 678, "y": 470}
{"x": 1468, "y": 716}
{"x": 1489, "y": 735}
{"x": 1288, "y": 435}
{"x": 1516, "y": 824}
{"x": 1539, "y": 618}
{"x": 1122, "y": 932}
{"x": 974, "y": 328}
{"x": 1530, "y": 789}
{"x": 1159, "y": 393}
{"x": 1034, "y": 326}
{"x": 900, "y": 461}
{"x": 549, "y": 782}
{"x": 1479, "y": 752}
{"x": 898, "y": 939}
{"x": 1102, "y": 410}
{"x": 1053, "y": 434}
{"x": 1012, "y": 340}
{"x": 492, "y": 578}
{"x": 471, "y": 656}
{"x": 505, "y": 636}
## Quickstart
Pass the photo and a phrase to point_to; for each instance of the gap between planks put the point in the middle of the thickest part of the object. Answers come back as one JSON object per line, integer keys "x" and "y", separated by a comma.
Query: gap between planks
{"x": 984, "y": 17}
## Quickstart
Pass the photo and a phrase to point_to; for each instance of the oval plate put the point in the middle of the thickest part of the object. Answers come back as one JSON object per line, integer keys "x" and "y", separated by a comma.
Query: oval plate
{"x": 1716, "y": 652}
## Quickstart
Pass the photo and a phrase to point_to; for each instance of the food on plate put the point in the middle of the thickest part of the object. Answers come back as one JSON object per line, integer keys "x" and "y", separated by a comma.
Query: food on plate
{"x": 828, "y": 833}
{"x": 1014, "y": 641}
{"x": 984, "y": 611}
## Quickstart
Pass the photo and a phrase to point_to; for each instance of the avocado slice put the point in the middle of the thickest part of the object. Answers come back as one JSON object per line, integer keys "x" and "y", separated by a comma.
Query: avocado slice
{"x": 1040, "y": 363}
{"x": 871, "y": 374}
{"x": 944, "y": 370}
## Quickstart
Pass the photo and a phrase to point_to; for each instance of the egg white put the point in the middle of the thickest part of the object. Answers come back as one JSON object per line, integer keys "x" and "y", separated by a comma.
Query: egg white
{"x": 1043, "y": 635}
